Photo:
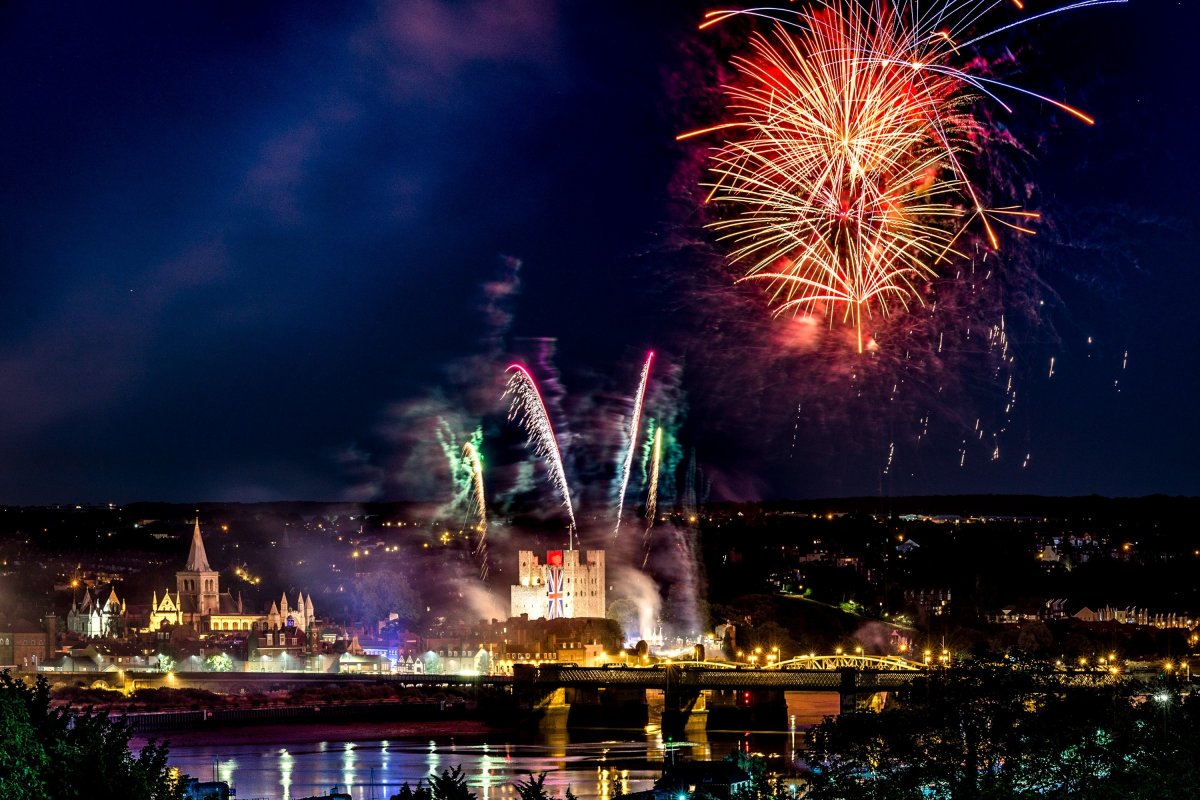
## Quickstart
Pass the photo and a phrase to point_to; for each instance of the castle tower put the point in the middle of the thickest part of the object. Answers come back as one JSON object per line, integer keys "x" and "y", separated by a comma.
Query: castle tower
{"x": 197, "y": 584}
{"x": 563, "y": 587}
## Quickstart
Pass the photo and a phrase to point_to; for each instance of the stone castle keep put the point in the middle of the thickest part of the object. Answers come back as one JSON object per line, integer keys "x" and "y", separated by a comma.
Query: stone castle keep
{"x": 562, "y": 588}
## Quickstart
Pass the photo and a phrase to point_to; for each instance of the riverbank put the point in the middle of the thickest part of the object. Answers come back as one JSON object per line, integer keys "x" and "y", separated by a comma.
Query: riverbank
{"x": 439, "y": 711}
{"x": 283, "y": 734}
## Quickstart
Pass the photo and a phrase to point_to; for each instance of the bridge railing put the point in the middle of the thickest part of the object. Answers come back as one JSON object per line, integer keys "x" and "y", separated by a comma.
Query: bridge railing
{"x": 684, "y": 676}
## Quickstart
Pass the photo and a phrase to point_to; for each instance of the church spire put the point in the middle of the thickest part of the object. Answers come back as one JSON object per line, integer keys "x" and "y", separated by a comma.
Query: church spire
{"x": 197, "y": 558}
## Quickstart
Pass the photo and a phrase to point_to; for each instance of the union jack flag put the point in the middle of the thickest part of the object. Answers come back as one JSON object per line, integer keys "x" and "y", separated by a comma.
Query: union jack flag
{"x": 554, "y": 593}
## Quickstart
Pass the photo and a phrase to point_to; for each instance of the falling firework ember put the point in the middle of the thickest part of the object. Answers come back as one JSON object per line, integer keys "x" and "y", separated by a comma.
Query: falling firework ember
{"x": 652, "y": 495}
{"x": 655, "y": 462}
{"x": 634, "y": 423}
{"x": 843, "y": 183}
{"x": 479, "y": 502}
{"x": 530, "y": 411}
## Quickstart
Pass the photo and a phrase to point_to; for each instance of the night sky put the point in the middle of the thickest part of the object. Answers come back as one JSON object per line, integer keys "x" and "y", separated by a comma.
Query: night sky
{"x": 245, "y": 244}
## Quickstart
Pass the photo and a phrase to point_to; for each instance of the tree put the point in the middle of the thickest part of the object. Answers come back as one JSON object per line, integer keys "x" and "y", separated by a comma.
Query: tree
{"x": 420, "y": 793}
{"x": 218, "y": 662}
{"x": 379, "y": 594}
{"x": 451, "y": 785}
{"x": 64, "y": 753}
{"x": 981, "y": 732}
{"x": 1035, "y": 638}
{"x": 755, "y": 767}
{"x": 22, "y": 758}
{"x": 533, "y": 788}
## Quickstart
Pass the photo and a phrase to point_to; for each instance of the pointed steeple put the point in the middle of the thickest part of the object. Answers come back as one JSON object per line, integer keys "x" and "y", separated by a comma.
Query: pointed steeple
{"x": 197, "y": 558}
{"x": 154, "y": 602}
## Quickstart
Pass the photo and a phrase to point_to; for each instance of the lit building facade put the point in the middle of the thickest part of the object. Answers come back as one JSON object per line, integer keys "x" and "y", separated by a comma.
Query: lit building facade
{"x": 95, "y": 617}
{"x": 200, "y": 604}
{"x": 562, "y": 588}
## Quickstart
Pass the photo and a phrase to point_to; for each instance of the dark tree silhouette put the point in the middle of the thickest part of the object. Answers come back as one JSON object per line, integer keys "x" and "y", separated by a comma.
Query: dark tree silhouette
{"x": 65, "y": 753}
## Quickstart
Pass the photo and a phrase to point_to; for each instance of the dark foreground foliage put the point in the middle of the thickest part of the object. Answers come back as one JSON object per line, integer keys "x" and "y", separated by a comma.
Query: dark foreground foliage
{"x": 452, "y": 785}
{"x": 995, "y": 733}
{"x": 65, "y": 754}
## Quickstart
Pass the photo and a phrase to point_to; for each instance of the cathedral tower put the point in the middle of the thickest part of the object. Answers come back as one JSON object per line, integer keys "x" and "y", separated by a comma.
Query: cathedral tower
{"x": 197, "y": 585}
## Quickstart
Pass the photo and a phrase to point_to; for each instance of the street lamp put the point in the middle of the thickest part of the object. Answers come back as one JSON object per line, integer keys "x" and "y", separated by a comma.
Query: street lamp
{"x": 1164, "y": 699}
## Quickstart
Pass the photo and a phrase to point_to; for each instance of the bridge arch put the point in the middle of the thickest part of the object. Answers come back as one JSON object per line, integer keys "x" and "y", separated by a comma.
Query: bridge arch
{"x": 851, "y": 660}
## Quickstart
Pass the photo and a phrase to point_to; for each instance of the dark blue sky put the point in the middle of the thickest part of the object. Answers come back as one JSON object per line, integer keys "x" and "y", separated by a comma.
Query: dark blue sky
{"x": 237, "y": 238}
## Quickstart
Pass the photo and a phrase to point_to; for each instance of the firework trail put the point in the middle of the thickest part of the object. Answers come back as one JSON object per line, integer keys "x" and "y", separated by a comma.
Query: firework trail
{"x": 634, "y": 423}
{"x": 448, "y": 442}
{"x": 652, "y": 496}
{"x": 470, "y": 455}
{"x": 527, "y": 407}
{"x": 843, "y": 181}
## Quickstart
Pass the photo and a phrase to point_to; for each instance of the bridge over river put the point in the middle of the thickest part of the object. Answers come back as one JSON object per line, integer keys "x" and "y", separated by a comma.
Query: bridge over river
{"x": 691, "y": 695}
{"x": 614, "y": 695}
{"x": 692, "y": 691}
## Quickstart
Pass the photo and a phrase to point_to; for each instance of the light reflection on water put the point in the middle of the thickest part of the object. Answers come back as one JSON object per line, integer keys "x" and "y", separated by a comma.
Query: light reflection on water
{"x": 372, "y": 761}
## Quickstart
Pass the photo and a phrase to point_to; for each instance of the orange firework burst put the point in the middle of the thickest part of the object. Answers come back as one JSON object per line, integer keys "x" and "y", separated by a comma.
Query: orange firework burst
{"x": 842, "y": 182}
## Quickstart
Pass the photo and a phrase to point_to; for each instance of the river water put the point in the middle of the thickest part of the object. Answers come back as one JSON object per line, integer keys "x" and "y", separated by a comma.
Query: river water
{"x": 371, "y": 760}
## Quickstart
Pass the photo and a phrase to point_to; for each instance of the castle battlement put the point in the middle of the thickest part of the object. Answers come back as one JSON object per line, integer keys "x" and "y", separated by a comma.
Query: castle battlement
{"x": 562, "y": 587}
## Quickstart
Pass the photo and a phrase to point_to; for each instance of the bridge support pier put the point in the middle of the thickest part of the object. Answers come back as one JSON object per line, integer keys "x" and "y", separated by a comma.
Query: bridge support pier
{"x": 684, "y": 712}
{"x": 552, "y": 710}
{"x": 847, "y": 696}
{"x": 607, "y": 707}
